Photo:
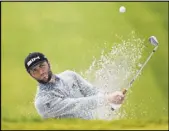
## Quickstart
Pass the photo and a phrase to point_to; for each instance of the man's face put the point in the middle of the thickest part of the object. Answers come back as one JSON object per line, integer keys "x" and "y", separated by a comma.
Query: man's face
{"x": 40, "y": 71}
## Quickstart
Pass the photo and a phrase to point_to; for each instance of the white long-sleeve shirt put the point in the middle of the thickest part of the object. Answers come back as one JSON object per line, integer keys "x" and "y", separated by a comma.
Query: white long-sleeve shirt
{"x": 71, "y": 96}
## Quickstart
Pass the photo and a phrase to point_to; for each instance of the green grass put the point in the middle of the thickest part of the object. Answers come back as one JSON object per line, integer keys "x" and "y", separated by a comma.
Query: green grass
{"x": 70, "y": 34}
{"x": 85, "y": 124}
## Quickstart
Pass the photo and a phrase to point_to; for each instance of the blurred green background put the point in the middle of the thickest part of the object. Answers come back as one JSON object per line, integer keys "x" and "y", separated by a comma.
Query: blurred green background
{"x": 70, "y": 34}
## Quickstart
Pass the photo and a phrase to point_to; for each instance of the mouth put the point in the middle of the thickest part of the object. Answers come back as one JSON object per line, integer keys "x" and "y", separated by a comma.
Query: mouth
{"x": 44, "y": 76}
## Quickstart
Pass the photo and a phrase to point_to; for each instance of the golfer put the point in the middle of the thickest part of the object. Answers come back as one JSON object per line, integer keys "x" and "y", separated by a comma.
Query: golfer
{"x": 65, "y": 95}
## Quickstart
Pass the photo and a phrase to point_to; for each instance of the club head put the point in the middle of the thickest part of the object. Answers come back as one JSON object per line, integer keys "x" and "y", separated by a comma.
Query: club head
{"x": 153, "y": 40}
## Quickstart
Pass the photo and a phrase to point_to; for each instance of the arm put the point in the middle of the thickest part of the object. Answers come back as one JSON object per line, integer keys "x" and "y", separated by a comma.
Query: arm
{"x": 50, "y": 106}
{"x": 86, "y": 88}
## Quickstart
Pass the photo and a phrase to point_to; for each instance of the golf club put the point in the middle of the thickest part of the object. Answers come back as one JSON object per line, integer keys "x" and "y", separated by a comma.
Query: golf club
{"x": 154, "y": 42}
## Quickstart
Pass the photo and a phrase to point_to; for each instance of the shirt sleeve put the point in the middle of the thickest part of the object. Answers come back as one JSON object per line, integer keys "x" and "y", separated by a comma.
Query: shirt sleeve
{"x": 86, "y": 88}
{"x": 50, "y": 106}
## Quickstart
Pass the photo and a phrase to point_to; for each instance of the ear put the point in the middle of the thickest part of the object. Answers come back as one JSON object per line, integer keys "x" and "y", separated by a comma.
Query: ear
{"x": 49, "y": 65}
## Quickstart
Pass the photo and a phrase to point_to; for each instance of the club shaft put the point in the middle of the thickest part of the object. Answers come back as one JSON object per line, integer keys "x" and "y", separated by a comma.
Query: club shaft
{"x": 131, "y": 82}
{"x": 114, "y": 106}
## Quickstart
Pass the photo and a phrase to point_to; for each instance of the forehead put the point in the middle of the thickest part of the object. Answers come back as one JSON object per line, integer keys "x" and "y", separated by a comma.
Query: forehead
{"x": 37, "y": 65}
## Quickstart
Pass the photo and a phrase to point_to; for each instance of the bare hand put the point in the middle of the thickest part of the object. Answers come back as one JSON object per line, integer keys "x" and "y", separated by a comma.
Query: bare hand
{"x": 116, "y": 97}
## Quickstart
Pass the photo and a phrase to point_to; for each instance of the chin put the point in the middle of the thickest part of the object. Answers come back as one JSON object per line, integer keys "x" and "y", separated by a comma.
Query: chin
{"x": 45, "y": 80}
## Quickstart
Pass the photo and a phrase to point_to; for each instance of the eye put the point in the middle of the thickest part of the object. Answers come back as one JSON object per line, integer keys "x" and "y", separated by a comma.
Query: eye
{"x": 34, "y": 70}
{"x": 41, "y": 65}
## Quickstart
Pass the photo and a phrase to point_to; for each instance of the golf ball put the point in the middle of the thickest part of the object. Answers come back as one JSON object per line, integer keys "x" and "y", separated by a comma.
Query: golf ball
{"x": 122, "y": 9}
